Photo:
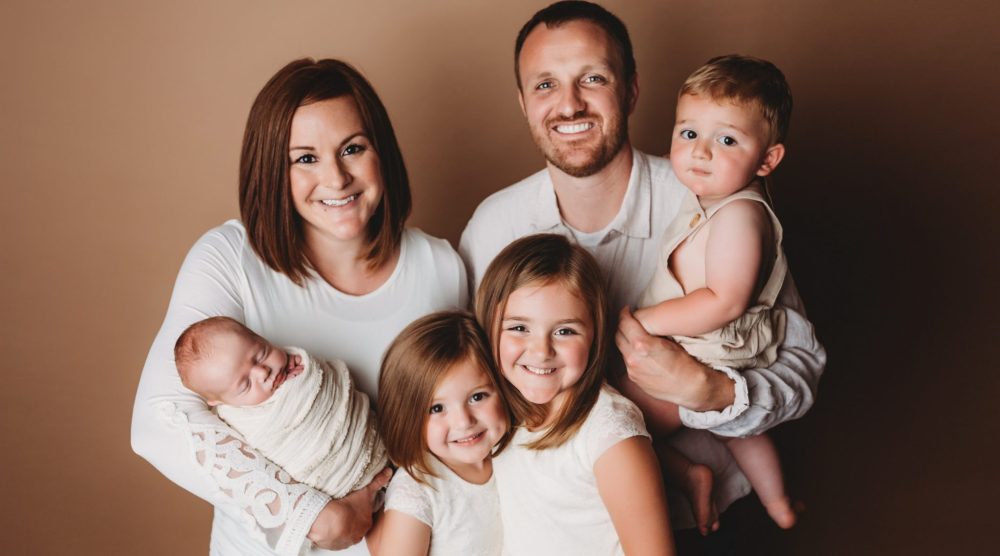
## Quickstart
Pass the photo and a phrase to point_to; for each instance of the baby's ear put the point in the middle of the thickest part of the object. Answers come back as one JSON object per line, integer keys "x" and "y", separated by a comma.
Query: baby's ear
{"x": 772, "y": 157}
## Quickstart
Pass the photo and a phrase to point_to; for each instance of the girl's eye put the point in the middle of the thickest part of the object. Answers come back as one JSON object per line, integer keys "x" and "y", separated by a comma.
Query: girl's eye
{"x": 688, "y": 134}
{"x": 436, "y": 408}
{"x": 353, "y": 148}
{"x": 565, "y": 332}
{"x": 305, "y": 159}
{"x": 727, "y": 140}
{"x": 479, "y": 396}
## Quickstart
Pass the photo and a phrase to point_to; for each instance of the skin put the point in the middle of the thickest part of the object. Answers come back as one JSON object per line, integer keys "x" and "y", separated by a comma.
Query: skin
{"x": 465, "y": 420}
{"x": 544, "y": 344}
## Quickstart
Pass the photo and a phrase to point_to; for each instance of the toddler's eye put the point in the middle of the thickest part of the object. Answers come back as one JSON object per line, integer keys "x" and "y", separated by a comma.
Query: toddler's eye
{"x": 436, "y": 408}
{"x": 305, "y": 159}
{"x": 479, "y": 396}
{"x": 727, "y": 140}
{"x": 688, "y": 134}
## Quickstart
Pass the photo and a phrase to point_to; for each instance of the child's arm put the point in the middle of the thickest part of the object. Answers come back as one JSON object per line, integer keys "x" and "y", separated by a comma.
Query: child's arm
{"x": 734, "y": 250}
{"x": 628, "y": 480}
{"x": 396, "y": 533}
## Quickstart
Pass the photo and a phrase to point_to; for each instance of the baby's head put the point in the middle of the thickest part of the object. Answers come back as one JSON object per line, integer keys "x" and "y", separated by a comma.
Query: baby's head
{"x": 226, "y": 363}
{"x": 438, "y": 394}
{"x": 732, "y": 120}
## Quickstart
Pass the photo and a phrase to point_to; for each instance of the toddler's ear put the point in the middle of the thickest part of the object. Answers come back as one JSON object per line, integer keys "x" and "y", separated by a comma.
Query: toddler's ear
{"x": 772, "y": 157}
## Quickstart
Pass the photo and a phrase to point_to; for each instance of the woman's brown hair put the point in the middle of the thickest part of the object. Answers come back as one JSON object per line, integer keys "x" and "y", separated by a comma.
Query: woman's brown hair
{"x": 412, "y": 368}
{"x": 544, "y": 259}
{"x": 273, "y": 226}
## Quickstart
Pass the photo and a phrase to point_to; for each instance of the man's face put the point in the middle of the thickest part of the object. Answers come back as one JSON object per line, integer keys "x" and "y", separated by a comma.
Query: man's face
{"x": 574, "y": 96}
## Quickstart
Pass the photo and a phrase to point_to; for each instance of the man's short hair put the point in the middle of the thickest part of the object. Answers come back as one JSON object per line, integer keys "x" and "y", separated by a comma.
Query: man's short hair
{"x": 559, "y": 13}
{"x": 746, "y": 80}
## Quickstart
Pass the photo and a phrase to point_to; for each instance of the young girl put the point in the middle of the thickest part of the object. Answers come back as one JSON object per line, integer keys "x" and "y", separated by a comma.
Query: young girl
{"x": 441, "y": 417}
{"x": 579, "y": 475}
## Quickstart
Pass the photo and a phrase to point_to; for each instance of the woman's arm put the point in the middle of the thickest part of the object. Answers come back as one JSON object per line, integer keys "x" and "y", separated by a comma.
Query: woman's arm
{"x": 174, "y": 430}
{"x": 628, "y": 480}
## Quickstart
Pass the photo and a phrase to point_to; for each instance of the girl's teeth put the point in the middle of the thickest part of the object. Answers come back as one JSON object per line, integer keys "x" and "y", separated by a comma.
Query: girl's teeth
{"x": 338, "y": 202}
{"x": 539, "y": 370}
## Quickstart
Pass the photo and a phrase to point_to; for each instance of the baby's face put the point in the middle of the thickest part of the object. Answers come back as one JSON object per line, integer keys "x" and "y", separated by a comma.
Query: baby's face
{"x": 241, "y": 369}
{"x": 717, "y": 147}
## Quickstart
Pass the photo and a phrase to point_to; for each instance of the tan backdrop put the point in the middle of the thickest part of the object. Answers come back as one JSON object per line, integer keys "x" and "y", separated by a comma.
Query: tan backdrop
{"x": 121, "y": 124}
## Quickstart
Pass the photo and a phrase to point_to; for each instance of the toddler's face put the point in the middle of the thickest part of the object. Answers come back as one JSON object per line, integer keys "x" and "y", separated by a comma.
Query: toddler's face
{"x": 466, "y": 417}
{"x": 241, "y": 369}
{"x": 718, "y": 148}
{"x": 545, "y": 338}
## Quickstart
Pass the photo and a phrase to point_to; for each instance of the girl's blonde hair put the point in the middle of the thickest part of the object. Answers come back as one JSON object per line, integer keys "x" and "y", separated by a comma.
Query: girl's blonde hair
{"x": 412, "y": 368}
{"x": 541, "y": 260}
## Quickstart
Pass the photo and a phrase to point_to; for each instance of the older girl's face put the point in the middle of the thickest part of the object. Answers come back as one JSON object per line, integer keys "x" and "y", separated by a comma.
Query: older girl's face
{"x": 335, "y": 177}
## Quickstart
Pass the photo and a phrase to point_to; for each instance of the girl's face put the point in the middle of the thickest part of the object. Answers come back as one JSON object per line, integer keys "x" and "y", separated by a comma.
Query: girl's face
{"x": 335, "y": 175}
{"x": 466, "y": 418}
{"x": 545, "y": 338}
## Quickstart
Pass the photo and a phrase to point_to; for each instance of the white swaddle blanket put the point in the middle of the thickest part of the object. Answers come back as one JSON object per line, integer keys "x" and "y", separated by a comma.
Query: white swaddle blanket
{"x": 316, "y": 426}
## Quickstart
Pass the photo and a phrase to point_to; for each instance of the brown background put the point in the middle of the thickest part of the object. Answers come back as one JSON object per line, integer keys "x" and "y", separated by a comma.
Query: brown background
{"x": 120, "y": 129}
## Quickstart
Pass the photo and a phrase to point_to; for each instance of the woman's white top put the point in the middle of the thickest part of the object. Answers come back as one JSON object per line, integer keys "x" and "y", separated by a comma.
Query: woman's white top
{"x": 464, "y": 517}
{"x": 259, "y": 510}
{"x": 548, "y": 498}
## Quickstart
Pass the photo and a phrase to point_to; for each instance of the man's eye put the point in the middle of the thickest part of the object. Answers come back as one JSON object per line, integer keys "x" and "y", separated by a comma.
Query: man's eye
{"x": 688, "y": 134}
{"x": 436, "y": 408}
{"x": 727, "y": 140}
{"x": 353, "y": 148}
{"x": 305, "y": 159}
{"x": 594, "y": 79}
{"x": 544, "y": 85}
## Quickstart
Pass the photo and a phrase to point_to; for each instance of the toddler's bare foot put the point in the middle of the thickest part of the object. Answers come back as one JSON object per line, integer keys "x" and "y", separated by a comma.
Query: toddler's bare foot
{"x": 782, "y": 512}
{"x": 698, "y": 487}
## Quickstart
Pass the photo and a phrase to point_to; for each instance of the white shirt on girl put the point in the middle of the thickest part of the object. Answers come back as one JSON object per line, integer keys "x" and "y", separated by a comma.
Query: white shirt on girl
{"x": 548, "y": 498}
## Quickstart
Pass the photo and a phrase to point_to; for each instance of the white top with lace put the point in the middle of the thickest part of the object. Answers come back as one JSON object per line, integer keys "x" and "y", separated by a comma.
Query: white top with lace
{"x": 548, "y": 498}
{"x": 259, "y": 509}
{"x": 464, "y": 517}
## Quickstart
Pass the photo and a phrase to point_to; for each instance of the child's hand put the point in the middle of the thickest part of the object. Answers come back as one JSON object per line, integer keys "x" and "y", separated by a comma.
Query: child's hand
{"x": 294, "y": 366}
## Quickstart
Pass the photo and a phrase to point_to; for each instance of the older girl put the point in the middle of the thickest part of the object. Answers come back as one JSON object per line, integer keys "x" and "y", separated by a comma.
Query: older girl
{"x": 321, "y": 258}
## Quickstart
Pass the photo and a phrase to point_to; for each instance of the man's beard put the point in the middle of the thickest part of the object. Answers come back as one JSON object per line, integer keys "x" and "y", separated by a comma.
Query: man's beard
{"x": 598, "y": 157}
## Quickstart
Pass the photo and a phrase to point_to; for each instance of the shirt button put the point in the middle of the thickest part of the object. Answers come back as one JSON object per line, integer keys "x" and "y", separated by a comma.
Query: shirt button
{"x": 695, "y": 220}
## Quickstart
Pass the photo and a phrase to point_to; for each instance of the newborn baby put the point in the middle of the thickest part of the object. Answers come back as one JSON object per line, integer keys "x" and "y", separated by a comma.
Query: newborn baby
{"x": 302, "y": 413}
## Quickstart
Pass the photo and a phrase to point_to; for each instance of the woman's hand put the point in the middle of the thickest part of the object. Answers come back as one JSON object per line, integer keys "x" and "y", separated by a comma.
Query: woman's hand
{"x": 343, "y": 523}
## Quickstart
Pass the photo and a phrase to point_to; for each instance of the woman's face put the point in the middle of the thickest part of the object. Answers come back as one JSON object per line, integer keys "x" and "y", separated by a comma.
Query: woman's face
{"x": 335, "y": 177}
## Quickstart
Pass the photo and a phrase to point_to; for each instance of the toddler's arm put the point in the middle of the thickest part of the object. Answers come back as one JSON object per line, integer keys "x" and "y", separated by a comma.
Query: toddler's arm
{"x": 734, "y": 249}
{"x": 628, "y": 480}
{"x": 399, "y": 534}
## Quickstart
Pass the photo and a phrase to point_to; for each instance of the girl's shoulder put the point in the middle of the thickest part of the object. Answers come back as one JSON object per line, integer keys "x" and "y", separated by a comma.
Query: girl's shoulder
{"x": 405, "y": 494}
{"x": 613, "y": 418}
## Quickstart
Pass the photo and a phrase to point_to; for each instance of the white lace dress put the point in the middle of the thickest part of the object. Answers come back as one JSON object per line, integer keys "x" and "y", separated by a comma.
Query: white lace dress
{"x": 259, "y": 510}
{"x": 464, "y": 517}
{"x": 549, "y": 502}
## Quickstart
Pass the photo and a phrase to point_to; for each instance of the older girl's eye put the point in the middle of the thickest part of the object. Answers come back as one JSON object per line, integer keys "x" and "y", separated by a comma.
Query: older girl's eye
{"x": 688, "y": 134}
{"x": 305, "y": 159}
{"x": 353, "y": 148}
{"x": 565, "y": 332}
{"x": 727, "y": 140}
{"x": 436, "y": 408}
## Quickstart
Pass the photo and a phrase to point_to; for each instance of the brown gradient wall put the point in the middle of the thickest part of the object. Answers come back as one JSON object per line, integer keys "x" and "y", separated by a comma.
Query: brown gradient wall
{"x": 119, "y": 137}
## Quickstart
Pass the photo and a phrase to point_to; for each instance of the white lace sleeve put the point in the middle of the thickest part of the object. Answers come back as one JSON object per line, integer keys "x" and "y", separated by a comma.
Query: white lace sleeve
{"x": 614, "y": 418}
{"x": 407, "y": 496}
{"x": 175, "y": 431}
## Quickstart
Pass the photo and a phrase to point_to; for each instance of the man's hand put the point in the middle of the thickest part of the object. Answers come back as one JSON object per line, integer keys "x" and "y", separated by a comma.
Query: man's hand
{"x": 665, "y": 371}
{"x": 343, "y": 523}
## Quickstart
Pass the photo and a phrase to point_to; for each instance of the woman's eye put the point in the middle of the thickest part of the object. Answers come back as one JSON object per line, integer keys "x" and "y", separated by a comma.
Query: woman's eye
{"x": 727, "y": 140}
{"x": 436, "y": 408}
{"x": 353, "y": 148}
{"x": 688, "y": 134}
{"x": 305, "y": 159}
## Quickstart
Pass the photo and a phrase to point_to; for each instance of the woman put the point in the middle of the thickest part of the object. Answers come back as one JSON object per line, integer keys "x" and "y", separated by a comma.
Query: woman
{"x": 322, "y": 260}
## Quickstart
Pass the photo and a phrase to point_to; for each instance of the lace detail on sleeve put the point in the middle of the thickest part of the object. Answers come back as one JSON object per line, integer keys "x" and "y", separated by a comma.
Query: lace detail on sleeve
{"x": 407, "y": 496}
{"x": 277, "y": 510}
{"x": 613, "y": 419}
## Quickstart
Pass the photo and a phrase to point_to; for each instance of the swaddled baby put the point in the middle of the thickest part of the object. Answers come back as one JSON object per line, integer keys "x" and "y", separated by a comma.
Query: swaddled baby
{"x": 302, "y": 413}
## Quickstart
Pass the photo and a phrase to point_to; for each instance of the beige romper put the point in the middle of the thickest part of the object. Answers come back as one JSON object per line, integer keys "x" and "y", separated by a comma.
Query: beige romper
{"x": 752, "y": 339}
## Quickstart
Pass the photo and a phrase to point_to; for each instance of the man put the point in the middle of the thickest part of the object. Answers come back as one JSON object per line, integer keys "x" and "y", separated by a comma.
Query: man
{"x": 577, "y": 85}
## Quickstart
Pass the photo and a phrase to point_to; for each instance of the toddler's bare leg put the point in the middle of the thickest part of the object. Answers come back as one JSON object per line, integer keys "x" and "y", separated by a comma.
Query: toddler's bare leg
{"x": 758, "y": 458}
{"x": 695, "y": 480}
